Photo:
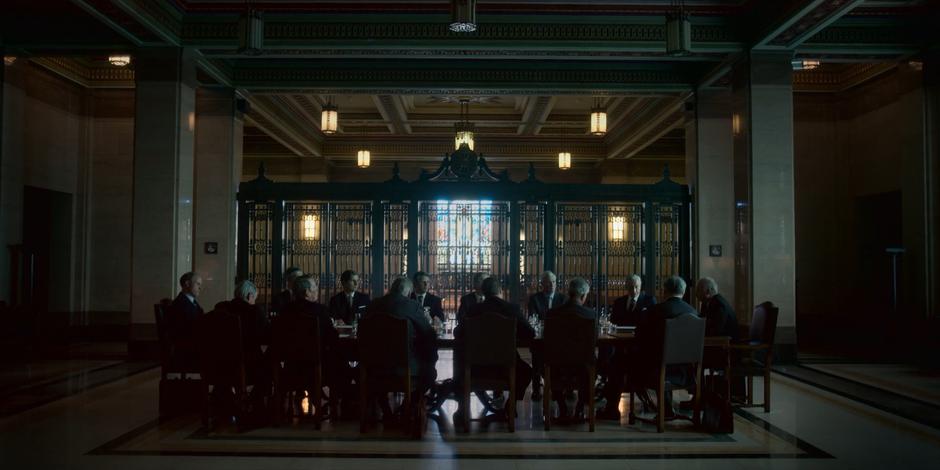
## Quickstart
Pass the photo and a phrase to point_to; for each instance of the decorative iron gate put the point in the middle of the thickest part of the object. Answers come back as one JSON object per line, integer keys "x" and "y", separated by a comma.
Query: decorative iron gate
{"x": 461, "y": 220}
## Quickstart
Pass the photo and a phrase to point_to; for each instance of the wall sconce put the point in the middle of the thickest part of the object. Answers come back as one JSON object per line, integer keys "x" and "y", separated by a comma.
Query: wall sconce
{"x": 618, "y": 225}
{"x": 311, "y": 226}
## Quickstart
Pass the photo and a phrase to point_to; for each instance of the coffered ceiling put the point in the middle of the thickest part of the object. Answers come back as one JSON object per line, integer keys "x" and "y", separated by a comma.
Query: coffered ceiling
{"x": 532, "y": 69}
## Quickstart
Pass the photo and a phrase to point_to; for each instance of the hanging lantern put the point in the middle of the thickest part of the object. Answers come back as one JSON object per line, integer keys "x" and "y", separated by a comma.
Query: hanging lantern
{"x": 564, "y": 160}
{"x": 464, "y": 128}
{"x": 329, "y": 119}
{"x": 598, "y": 119}
{"x": 119, "y": 60}
{"x": 463, "y": 16}
{"x": 363, "y": 159}
{"x": 678, "y": 32}
{"x": 251, "y": 33}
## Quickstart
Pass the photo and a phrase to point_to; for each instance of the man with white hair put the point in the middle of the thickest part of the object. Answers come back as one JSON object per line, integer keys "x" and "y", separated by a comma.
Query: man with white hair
{"x": 630, "y": 308}
{"x": 578, "y": 290}
{"x": 547, "y": 298}
{"x": 720, "y": 319}
{"x": 255, "y": 330}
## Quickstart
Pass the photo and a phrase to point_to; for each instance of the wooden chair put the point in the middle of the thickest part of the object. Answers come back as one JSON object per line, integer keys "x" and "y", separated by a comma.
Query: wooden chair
{"x": 386, "y": 364}
{"x": 175, "y": 393}
{"x": 683, "y": 342}
{"x": 489, "y": 348}
{"x": 221, "y": 356}
{"x": 750, "y": 364}
{"x": 569, "y": 344}
{"x": 297, "y": 364}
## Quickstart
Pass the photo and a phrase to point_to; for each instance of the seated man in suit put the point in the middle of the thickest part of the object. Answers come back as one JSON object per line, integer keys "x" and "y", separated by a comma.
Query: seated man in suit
{"x": 349, "y": 305}
{"x": 335, "y": 367}
{"x": 422, "y": 283}
{"x": 539, "y": 304}
{"x": 720, "y": 319}
{"x": 578, "y": 290}
{"x": 286, "y": 296}
{"x": 629, "y": 309}
{"x": 255, "y": 332}
{"x": 493, "y": 303}
{"x": 424, "y": 343}
{"x": 470, "y": 299}
{"x": 180, "y": 320}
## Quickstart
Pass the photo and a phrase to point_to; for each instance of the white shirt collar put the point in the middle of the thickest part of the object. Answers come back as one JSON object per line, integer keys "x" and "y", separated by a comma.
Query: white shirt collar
{"x": 191, "y": 298}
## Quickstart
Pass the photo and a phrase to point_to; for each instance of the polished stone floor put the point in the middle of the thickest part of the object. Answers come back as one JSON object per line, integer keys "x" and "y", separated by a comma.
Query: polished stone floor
{"x": 109, "y": 421}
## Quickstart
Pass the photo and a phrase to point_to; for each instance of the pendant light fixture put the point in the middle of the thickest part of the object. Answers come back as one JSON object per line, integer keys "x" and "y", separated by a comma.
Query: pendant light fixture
{"x": 329, "y": 118}
{"x": 119, "y": 60}
{"x": 363, "y": 159}
{"x": 464, "y": 128}
{"x": 678, "y": 31}
{"x": 9, "y": 60}
{"x": 463, "y": 15}
{"x": 251, "y": 32}
{"x": 598, "y": 118}
{"x": 564, "y": 157}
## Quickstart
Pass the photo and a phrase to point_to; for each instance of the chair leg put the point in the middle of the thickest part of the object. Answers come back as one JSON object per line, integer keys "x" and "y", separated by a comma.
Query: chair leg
{"x": 466, "y": 399}
{"x": 767, "y": 391}
{"x": 511, "y": 405}
{"x": 316, "y": 397}
{"x": 363, "y": 399}
{"x": 278, "y": 399}
{"x": 750, "y": 391}
{"x": 661, "y": 398}
{"x": 592, "y": 377}
{"x": 631, "y": 419}
{"x": 547, "y": 398}
{"x": 406, "y": 406}
{"x": 697, "y": 407}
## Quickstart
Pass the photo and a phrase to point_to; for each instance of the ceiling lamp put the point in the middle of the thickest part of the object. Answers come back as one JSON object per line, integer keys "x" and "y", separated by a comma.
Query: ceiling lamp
{"x": 564, "y": 160}
{"x": 9, "y": 59}
{"x": 251, "y": 33}
{"x": 119, "y": 60}
{"x": 598, "y": 118}
{"x": 464, "y": 128}
{"x": 329, "y": 118}
{"x": 363, "y": 159}
{"x": 804, "y": 64}
{"x": 678, "y": 31}
{"x": 463, "y": 15}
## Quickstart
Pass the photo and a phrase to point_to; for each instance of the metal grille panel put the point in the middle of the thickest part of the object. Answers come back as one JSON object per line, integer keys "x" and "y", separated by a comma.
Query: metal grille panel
{"x": 665, "y": 243}
{"x": 260, "y": 236}
{"x": 395, "y": 247}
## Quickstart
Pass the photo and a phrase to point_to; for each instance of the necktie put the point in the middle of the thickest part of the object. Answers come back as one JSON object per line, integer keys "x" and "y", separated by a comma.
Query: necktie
{"x": 631, "y": 304}
{"x": 421, "y": 300}
{"x": 550, "y": 297}
{"x": 350, "y": 299}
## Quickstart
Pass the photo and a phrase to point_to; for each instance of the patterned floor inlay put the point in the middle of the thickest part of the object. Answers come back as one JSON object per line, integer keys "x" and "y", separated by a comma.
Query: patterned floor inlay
{"x": 753, "y": 438}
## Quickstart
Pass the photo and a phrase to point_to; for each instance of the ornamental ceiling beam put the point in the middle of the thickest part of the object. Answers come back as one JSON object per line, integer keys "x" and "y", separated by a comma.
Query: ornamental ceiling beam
{"x": 793, "y": 22}
{"x": 663, "y": 121}
{"x": 280, "y": 123}
{"x": 535, "y": 113}
{"x": 393, "y": 113}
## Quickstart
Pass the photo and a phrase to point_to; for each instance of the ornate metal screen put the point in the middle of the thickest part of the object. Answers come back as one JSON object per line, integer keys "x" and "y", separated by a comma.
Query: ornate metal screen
{"x": 666, "y": 243}
{"x": 531, "y": 245}
{"x": 260, "y": 235}
{"x": 326, "y": 238}
{"x": 576, "y": 234}
{"x": 622, "y": 249}
{"x": 459, "y": 238}
{"x": 395, "y": 242}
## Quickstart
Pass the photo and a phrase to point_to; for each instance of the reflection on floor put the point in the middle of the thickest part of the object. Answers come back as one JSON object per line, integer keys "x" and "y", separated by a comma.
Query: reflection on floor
{"x": 113, "y": 425}
{"x": 913, "y": 382}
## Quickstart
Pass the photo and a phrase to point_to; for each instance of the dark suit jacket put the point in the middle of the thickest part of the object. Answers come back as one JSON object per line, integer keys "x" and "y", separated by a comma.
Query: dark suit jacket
{"x": 621, "y": 317}
{"x": 649, "y": 333}
{"x": 281, "y": 300}
{"x": 497, "y": 305}
{"x": 424, "y": 342}
{"x": 434, "y": 302}
{"x": 329, "y": 337}
{"x": 720, "y": 319}
{"x": 538, "y": 303}
{"x": 339, "y": 306}
{"x": 572, "y": 308}
{"x": 466, "y": 303}
{"x": 254, "y": 322}
{"x": 181, "y": 317}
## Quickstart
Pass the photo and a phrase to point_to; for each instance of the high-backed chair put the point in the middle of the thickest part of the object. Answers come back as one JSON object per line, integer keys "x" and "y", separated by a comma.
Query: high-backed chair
{"x": 489, "y": 361}
{"x": 683, "y": 342}
{"x": 221, "y": 357}
{"x": 386, "y": 364}
{"x": 569, "y": 344}
{"x": 297, "y": 364}
{"x": 756, "y": 352}
{"x": 179, "y": 380}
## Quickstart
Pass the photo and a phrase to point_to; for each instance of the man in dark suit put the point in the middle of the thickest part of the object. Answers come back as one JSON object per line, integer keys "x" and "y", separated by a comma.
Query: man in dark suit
{"x": 422, "y": 283}
{"x": 578, "y": 290}
{"x": 349, "y": 304}
{"x": 287, "y": 295}
{"x": 646, "y": 357}
{"x": 493, "y": 303}
{"x": 720, "y": 319}
{"x": 546, "y": 299}
{"x": 255, "y": 332}
{"x": 396, "y": 304}
{"x": 630, "y": 308}
{"x": 469, "y": 300}
{"x": 181, "y": 318}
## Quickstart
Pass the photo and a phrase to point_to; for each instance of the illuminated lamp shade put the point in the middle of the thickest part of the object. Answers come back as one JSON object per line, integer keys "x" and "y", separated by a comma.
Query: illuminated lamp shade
{"x": 119, "y": 60}
{"x": 311, "y": 226}
{"x": 464, "y": 136}
{"x": 329, "y": 119}
{"x": 9, "y": 60}
{"x": 363, "y": 159}
{"x": 598, "y": 121}
{"x": 564, "y": 160}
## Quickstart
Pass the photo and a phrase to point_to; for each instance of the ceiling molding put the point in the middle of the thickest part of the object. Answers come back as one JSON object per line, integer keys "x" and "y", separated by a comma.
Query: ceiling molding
{"x": 393, "y": 112}
{"x": 535, "y": 114}
{"x": 647, "y": 133}
{"x": 87, "y": 76}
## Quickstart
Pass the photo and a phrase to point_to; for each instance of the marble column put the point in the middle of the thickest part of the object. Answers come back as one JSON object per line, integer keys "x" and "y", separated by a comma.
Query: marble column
{"x": 762, "y": 126}
{"x": 709, "y": 172}
{"x": 164, "y": 121}
{"x": 219, "y": 129}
